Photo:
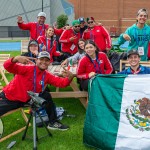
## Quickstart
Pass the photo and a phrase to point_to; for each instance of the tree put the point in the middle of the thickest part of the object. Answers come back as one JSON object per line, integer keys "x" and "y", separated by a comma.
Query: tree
{"x": 148, "y": 22}
{"x": 61, "y": 21}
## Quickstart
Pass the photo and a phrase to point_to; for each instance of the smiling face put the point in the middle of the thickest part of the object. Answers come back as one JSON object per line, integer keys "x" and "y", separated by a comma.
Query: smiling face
{"x": 33, "y": 49}
{"x": 50, "y": 32}
{"x": 76, "y": 27}
{"x": 90, "y": 50}
{"x": 142, "y": 17}
{"x": 43, "y": 63}
{"x": 41, "y": 20}
{"x": 91, "y": 23}
{"x": 81, "y": 44}
{"x": 134, "y": 60}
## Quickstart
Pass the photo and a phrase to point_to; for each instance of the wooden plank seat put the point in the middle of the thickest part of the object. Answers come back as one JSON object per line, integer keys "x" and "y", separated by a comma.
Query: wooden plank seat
{"x": 126, "y": 64}
{"x": 76, "y": 93}
{"x": 18, "y": 130}
{"x": 24, "y": 46}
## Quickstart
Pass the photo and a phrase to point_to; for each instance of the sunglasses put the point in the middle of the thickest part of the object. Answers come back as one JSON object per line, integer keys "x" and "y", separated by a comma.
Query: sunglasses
{"x": 77, "y": 26}
{"x": 90, "y": 22}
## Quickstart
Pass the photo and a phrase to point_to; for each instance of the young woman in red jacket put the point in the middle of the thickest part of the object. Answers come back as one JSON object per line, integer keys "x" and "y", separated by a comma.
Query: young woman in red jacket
{"x": 94, "y": 62}
{"x": 48, "y": 43}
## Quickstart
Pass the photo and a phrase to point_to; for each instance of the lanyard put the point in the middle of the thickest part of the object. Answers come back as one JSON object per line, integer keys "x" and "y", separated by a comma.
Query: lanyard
{"x": 97, "y": 69}
{"x": 42, "y": 82}
{"x": 51, "y": 46}
{"x": 39, "y": 31}
{"x": 135, "y": 72}
{"x": 136, "y": 36}
{"x": 91, "y": 35}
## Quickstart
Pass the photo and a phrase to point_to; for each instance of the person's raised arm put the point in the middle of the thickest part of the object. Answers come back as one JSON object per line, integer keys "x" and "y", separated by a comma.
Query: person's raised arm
{"x": 23, "y": 60}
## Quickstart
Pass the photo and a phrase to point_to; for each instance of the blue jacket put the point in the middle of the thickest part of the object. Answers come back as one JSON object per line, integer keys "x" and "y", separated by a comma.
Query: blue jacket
{"x": 143, "y": 70}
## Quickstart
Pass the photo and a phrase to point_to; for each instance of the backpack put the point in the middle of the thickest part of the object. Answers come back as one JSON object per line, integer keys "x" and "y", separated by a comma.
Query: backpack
{"x": 59, "y": 110}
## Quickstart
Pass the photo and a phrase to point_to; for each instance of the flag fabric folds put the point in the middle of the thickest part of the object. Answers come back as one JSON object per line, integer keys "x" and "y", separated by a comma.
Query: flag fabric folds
{"x": 118, "y": 113}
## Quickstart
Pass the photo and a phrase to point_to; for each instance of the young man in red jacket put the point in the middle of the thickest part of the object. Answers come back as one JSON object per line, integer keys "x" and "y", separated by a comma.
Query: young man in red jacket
{"x": 36, "y": 28}
{"x": 98, "y": 34}
{"x": 69, "y": 39}
{"x": 32, "y": 78}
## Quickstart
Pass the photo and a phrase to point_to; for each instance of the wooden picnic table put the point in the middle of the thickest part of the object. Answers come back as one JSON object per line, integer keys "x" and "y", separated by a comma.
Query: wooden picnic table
{"x": 76, "y": 93}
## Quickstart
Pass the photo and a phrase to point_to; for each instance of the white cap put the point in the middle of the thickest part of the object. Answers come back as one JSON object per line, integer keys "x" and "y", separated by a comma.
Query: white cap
{"x": 43, "y": 14}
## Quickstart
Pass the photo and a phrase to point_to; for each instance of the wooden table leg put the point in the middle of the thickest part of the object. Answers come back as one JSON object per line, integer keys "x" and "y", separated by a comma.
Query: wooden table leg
{"x": 75, "y": 87}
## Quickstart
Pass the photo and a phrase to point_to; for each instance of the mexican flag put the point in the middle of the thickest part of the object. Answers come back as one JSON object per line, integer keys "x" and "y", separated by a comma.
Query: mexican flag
{"x": 118, "y": 113}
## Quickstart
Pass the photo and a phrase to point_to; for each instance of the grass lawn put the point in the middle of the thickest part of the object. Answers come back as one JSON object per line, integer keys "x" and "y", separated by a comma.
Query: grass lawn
{"x": 61, "y": 140}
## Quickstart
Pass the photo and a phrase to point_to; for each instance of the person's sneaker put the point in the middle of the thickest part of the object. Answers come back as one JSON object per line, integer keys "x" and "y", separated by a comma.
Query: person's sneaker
{"x": 57, "y": 126}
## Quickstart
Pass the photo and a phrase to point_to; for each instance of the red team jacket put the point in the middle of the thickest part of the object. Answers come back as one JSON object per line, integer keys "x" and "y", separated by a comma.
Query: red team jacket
{"x": 35, "y": 29}
{"x": 102, "y": 66}
{"x": 52, "y": 50}
{"x": 24, "y": 81}
{"x": 99, "y": 35}
{"x": 67, "y": 45}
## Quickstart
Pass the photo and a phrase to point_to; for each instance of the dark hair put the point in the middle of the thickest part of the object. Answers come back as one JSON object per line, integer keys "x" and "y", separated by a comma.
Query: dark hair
{"x": 93, "y": 43}
{"x": 79, "y": 49}
{"x": 142, "y": 10}
{"x": 33, "y": 41}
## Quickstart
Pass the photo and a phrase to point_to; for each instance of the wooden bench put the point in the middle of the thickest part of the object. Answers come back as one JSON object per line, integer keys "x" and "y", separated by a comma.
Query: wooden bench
{"x": 24, "y": 46}
{"x": 76, "y": 93}
{"x": 18, "y": 130}
{"x": 125, "y": 62}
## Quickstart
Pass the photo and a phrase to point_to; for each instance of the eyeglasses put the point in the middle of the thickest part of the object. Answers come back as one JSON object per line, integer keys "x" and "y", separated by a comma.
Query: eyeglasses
{"x": 90, "y": 22}
{"x": 77, "y": 26}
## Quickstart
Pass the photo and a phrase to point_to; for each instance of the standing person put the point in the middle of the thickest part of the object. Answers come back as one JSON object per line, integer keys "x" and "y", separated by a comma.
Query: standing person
{"x": 36, "y": 28}
{"x": 83, "y": 25}
{"x": 49, "y": 44}
{"x": 98, "y": 34}
{"x": 138, "y": 35}
{"x": 136, "y": 68}
{"x": 33, "y": 49}
{"x": 69, "y": 39}
{"x": 75, "y": 58}
{"x": 32, "y": 78}
{"x": 94, "y": 62}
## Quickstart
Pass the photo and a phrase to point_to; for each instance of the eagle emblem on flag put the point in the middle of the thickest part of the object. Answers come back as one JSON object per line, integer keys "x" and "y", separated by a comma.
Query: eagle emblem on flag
{"x": 138, "y": 114}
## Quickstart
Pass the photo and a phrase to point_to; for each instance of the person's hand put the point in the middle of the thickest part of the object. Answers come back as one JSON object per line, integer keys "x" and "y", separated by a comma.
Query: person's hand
{"x": 73, "y": 38}
{"x": 126, "y": 37}
{"x": 98, "y": 24}
{"x": 67, "y": 73}
{"x": 35, "y": 53}
{"x": 44, "y": 48}
{"x": 19, "y": 18}
{"x": 92, "y": 74}
{"x": 64, "y": 62}
{"x": 86, "y": 31}
{"x": 23, "y": 60}
{"x": 67, "y": 27}
{"x": 108, "y": 49}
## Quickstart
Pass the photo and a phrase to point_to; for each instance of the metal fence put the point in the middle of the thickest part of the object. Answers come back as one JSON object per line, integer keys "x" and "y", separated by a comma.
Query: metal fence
{"x": 14, "y": 34}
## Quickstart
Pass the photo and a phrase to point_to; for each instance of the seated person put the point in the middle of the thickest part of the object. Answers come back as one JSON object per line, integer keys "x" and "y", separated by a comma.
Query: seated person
{"x": 32, "y": 78}
{"x": 33, "y": 49}
{"x": 136, "y": 68}
{"x": 76, "y": 57}
{"x": 94, "y": 62}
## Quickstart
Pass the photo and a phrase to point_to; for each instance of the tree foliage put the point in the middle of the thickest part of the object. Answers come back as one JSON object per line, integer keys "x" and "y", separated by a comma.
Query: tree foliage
{"x": 61, "y": 21}
{"x": 148, "y": 22}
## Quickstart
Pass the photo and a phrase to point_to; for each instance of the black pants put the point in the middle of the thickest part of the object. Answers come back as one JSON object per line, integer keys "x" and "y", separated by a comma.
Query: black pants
{"x": 84, "y": 84}
{"x": 7, "y": 105}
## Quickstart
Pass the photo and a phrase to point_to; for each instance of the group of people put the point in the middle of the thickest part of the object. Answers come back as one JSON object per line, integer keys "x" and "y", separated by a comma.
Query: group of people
{"x": 84, "y": 43}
